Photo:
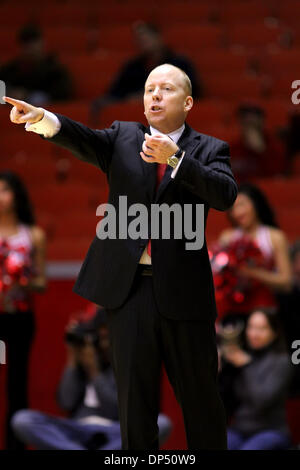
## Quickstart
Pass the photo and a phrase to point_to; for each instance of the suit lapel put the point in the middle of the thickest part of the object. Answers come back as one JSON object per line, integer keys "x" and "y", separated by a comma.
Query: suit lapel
{"x": 149, "y": 169}
{"x": 187, "y": 141}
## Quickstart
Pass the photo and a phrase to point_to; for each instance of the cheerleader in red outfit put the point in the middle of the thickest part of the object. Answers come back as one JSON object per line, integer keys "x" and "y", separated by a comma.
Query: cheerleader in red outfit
{"x": 22, "y": 271}
{"x": 252, "y": 219}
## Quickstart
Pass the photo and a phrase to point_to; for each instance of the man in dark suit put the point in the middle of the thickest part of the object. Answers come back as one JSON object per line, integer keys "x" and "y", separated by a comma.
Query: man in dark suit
{"x": 159, "y": 296}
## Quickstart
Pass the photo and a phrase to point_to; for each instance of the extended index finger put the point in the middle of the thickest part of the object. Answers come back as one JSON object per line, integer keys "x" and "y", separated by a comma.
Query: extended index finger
{"x": 12, "y": 101}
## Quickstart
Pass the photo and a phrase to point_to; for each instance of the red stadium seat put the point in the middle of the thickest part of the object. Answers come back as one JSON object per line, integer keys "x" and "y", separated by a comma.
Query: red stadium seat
{"x": 68, "y": 39}
{"x": 76, "y": 224}
{"x": 89, "y": 87}
{"x": 14, "y": 16}
{"x": 221, "y": 131}
{"x": 5, "y": 123}
{"x": 214, "y": 60}
{"x": 93, "y": 64}
{"x": 65, "y": 15}
{"x": 47, "y": 222}
{"x": 179, "y": 12}
{"x": 253, "y": 35}
{"x": 61, "y": 198}
{"x": 231, "y": 86}
{"x": 116, "y": 37}
{"x": 92, "y": 75}
{"x": 277, "y": 111}
{"x": 112, "y": 14}
{"x": 282, "y": 192}
{"x": 81, "y": 172}
{"x": 32, "y": 171}
{"x": 281, "y": 86}
{"x": 8, "y": 44}
{"x": 280, "y": 61}
{"x": 20, "y": 142}
{"x": 217, "y": 221}
{"x": 287, "y": 11}
{"x": 208, "y": 111}
{"x": 68, "y": 249}
{"x": 76, "y": 110}
{"x": 289, "y": 222}
{"x": 193, "y": 36}
{"x": 233, "y": 12}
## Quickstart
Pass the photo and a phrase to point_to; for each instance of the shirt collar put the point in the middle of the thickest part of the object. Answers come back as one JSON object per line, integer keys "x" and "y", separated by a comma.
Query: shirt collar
{"x": 175, "y": 135}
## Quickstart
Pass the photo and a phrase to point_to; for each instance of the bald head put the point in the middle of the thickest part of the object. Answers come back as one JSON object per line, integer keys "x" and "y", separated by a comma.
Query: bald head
{"x": 181, "y": 77}
{"x": 167, "y": 98}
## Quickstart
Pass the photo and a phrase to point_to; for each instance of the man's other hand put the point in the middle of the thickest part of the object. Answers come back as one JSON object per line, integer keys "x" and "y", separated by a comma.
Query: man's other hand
{"x": 23, "y": 112}
{"x": 158, "y": 148}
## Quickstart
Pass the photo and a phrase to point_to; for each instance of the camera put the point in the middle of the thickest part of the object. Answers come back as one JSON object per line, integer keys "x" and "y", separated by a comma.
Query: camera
{"x": 82, "y": 334}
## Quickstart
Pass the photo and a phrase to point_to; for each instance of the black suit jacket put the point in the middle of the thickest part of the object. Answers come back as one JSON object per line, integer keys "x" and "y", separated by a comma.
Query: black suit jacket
{"x": 182, "y": 279}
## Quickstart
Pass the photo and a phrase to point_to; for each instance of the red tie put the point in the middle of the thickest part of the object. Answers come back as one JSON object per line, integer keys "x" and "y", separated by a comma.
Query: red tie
{"x": 161, "y": 168}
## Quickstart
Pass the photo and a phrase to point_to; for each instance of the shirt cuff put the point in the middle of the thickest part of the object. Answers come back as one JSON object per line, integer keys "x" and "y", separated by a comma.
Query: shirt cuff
{"x": 173, "y": 174}
{"x": 49, "y": 125}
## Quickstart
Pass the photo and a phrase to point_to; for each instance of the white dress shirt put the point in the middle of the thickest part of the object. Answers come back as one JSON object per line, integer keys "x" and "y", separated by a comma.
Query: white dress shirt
{"x": 49, "y": 125}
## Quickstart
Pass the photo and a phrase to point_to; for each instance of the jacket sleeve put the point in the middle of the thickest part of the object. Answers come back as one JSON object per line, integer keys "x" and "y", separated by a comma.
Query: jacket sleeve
{"x": 212, "y": 181}
{"x": 89, "y": 145}
{"x": 71, "y": 388}
{"x": 273, "y": 385}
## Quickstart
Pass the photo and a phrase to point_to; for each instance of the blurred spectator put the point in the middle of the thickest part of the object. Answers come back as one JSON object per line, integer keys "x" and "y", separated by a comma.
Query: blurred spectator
{"x": 22, "y": 268}
{"x": 290, "y": 316}
{"x": 253, "y": 218}
{"x": 130, "y": 81}
{"x": 257, "y": 378}
{"x": 256, "y": 153}
{"x": 34, "y": 75}
{"x": 290, "y": 136}
{"x": 87, "y": 391}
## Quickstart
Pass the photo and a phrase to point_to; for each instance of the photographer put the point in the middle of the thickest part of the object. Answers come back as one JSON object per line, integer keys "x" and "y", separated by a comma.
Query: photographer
{"x": 254, "y": 384}
{"x": 87, "y": 391}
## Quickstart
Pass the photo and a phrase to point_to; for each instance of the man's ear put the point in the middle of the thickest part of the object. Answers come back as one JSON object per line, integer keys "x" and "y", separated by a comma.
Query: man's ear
{"x": 188, "y": 103}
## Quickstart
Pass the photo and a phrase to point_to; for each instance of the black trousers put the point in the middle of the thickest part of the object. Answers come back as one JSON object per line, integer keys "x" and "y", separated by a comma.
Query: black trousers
{"x": 141, "y": 339}
{"x": 17, "y": 331}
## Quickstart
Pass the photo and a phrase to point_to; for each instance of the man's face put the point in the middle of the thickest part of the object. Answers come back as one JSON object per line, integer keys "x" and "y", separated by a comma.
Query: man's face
{"x": 166, "y": 99}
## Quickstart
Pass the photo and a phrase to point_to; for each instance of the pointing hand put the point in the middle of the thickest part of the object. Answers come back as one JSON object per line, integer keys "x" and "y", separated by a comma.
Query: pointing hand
{"x": 23, "y": 112}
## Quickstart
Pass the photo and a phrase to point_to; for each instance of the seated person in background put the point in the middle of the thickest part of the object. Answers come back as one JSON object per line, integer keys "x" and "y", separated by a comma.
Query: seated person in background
{"x": 87, "y": 391}
{"x": 34, "y": 75}
{"x": 253, "y": 219}
{"x": 256, "y": 153}
{"x": 130, "y": 81}
{"x": 256, "y": 380}
{"x": 289, "y": 313}
{"x": 290, "y": 137}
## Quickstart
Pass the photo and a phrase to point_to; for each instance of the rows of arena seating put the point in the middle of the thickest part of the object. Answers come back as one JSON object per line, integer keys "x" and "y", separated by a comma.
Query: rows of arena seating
{"x": 242, "y": 50}
{"x": 193, "y": 36}
{"x": 94, "y": 12}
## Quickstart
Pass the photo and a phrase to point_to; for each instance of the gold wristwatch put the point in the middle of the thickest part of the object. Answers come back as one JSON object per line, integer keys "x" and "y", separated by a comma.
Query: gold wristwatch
{"x": 174, "y": 159}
